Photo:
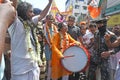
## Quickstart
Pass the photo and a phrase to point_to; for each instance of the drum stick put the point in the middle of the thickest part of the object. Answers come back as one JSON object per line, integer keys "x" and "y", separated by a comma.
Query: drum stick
{"x": 69, "y": 56}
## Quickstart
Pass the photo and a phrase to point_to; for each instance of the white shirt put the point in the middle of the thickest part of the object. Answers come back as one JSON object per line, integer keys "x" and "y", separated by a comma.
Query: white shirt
{"x": 87, "y": 36}
{"x": 21, "y": 61}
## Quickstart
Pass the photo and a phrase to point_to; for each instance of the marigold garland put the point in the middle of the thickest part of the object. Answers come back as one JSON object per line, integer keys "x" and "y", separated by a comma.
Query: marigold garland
{"x": 64, "y": 42}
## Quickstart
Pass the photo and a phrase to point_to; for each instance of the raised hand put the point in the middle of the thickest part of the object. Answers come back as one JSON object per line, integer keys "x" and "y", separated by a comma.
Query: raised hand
{"x": 50, "y": 1}
{"x": 107, "y": 37}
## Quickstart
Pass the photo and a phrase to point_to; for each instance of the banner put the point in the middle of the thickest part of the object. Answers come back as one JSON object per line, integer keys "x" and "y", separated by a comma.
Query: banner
{"x": 114, "y": 20}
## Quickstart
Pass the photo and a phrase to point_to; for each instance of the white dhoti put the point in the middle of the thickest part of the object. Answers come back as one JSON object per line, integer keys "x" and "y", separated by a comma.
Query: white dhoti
{"x": 31, "y": 75}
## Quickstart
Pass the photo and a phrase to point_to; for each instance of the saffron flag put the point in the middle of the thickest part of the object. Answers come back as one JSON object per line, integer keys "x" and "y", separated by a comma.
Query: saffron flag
{"x": 94, "y": 8}
{"x": 54, "y": 10}
{"x": 68, "y": 12}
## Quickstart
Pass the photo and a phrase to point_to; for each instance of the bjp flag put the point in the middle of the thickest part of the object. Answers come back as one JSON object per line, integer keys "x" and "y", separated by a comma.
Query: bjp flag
{"x": 94, "y": 8}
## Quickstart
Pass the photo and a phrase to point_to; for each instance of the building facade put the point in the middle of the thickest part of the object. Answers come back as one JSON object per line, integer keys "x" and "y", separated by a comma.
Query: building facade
{"x": 79, "y": 8}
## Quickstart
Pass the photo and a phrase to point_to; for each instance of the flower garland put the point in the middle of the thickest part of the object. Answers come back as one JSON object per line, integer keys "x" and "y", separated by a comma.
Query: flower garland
{"x": 54, "y": 30}
{"x": 64, "y": 41}
{"x": 33, "y": 55}
{"x": 49, "y": 35}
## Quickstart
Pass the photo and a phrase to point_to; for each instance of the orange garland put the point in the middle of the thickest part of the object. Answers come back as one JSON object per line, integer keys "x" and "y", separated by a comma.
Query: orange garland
{"x": 48, "y": 31}
{"x": 64, "y": 43}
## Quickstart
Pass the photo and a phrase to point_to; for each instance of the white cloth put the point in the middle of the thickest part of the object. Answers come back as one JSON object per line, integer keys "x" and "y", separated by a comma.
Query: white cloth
{"x": 2, "y": 67}
{"x": 21, "y": 61}
{"x": 87, "y": 36}
{"x": 31, "y": 75}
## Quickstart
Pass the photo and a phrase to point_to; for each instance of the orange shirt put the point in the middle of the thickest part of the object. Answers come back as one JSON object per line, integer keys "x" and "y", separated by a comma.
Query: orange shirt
{"x": 57, "y": 68}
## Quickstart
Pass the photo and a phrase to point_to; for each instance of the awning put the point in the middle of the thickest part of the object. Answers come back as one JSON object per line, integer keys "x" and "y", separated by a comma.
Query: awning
{"x": 114, "y": 20}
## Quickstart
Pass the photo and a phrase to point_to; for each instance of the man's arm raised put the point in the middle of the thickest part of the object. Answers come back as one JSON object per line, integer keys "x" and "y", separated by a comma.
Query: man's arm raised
{"x": 45, "y": 11}
{"x": 7, "y": 16}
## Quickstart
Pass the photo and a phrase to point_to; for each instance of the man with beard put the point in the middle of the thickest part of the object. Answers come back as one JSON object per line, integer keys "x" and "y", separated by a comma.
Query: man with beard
{"x": 114, "y": 53}
{"x": 99, "y": 46}
{"x": 25, "y": 48}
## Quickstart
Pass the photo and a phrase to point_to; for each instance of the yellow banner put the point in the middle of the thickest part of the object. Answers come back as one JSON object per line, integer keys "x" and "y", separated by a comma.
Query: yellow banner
{"x": 114, "y": 20}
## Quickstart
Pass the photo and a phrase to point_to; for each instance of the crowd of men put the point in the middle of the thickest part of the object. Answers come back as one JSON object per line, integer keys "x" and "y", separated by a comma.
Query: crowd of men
{"x": 23, "y": 52}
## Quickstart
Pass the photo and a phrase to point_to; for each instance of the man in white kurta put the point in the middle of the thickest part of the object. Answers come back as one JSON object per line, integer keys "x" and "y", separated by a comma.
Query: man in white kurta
{"x": 21, "y": 62}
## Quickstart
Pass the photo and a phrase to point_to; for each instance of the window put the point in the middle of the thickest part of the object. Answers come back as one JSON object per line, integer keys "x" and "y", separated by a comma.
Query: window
{"x": 76, "y": 14}
{"x": 77, "y": 6}
{"x": 84, "y": 8}
{"x": 83, "y": 15}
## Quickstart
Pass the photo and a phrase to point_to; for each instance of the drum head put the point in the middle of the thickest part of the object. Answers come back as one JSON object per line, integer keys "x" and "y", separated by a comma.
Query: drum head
{"x": 77, "y": 61}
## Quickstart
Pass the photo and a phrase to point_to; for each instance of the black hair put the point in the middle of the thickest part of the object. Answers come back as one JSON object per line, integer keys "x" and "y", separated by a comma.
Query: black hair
{"x": 92, "y": 25}
{"x": 72, "y": 17}
{"x": 60, "y": 25}
{"x": 22, "y": 9}
{"x": 49, "y": 16}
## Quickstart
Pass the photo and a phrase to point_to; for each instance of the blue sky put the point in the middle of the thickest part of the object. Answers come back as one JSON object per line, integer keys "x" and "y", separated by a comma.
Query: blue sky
{"x": 42, "y": 3}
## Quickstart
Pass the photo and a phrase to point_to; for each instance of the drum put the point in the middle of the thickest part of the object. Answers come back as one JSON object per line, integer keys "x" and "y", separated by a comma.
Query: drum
{"x": 75, "y": 59}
